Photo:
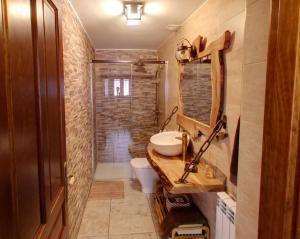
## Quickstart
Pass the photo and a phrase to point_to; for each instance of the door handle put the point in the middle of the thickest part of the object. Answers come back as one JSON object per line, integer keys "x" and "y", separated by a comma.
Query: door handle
{"x": 70, "y": 180}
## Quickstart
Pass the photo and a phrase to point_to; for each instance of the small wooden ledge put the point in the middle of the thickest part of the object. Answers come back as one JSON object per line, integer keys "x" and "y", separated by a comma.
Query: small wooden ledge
{"x": 170, "y": 169}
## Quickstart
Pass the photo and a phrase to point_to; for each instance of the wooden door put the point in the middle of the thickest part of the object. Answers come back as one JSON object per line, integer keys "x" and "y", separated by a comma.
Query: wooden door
{"x": 298, "y": 213}
{"x": 49, "y": 64}
{"x": 298, "y": 172}
{"x": 280, "y": 158}
{"x": 22, "y": 171}
{"x": 32, "y": 137}
{"x": 52, "y": 127}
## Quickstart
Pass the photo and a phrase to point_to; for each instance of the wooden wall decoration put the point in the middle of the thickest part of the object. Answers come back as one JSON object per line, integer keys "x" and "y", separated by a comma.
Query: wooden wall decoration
{"x": 215, "y": 50}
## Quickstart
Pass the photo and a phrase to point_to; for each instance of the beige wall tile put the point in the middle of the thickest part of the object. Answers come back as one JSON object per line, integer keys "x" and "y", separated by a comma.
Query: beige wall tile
{"x": 236, "y": 26}
{"x": 249, "y": 45}
{"x": 230, "y": 9}
{"x": 254, "y": 87}
{"x": 211, "y": 20}
{"x": 233, "y": 60}
{"x": 253, "y": 103}
{"x": 232, "y": 88}
{"x": 257, "y": 31}
{"x": 249, "y": 2}
{"x": 249, "y": 179}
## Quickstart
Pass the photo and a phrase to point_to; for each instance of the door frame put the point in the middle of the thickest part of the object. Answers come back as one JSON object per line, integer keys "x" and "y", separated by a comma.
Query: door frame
{"x": 281, "y": 151}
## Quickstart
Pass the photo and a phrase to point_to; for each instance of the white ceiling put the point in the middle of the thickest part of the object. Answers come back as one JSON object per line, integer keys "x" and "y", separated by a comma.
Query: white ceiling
{"x": 112, "y": 32}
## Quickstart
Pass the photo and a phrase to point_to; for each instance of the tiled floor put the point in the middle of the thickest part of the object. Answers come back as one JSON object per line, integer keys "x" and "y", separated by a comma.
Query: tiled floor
{"x": 113, "y": 171}
{"x": 119, "y": 210}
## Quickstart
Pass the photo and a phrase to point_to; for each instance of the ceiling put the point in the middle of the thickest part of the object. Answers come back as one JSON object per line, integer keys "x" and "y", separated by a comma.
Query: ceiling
{"x": 108, "y": 29}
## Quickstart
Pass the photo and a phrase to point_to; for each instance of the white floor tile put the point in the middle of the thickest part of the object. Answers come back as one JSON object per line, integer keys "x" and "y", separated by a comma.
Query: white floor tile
{"x": 127, "y": 218}
{"x": 113, "y": 171}
{"x": 95, "y": 220}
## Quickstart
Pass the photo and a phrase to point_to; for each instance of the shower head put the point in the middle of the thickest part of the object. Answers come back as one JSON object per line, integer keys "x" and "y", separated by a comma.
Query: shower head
{"x": 143, "y": 62}
{"x": 139, "y": 63}
{"x": 140, "y": 69}
{"x": 140, "y": 66}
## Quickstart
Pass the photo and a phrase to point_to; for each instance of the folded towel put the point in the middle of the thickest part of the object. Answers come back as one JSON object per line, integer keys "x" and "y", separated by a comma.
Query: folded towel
{"x": 180, "y": 217}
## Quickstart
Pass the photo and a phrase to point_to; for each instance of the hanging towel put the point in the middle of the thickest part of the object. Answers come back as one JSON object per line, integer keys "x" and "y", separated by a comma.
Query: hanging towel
{"x": 235, "y": 155}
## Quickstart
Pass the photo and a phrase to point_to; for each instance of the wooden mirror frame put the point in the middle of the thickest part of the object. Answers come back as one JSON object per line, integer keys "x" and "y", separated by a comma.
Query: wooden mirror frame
{"x": 215, "y": 49}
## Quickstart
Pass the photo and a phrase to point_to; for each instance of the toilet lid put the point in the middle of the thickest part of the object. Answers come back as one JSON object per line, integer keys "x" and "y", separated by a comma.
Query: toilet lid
{"x": 140, "y": 163}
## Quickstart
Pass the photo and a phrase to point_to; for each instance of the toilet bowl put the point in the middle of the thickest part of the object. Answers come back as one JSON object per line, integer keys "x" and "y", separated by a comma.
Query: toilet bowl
{"x": 145, "y": 174}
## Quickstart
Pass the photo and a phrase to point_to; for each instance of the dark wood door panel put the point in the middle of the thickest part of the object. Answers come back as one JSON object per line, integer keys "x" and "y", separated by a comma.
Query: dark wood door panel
{"x": 58, "y": 227}
{"x": 56, "y": 220}
{"x": 50, "y": 81}
{"x": 298, "y": 216}
{"x": 44, "y": 164}
{"x": 53, "y": 98}
{"x": 23, "y": 121}
{"x": 6, "y": 216}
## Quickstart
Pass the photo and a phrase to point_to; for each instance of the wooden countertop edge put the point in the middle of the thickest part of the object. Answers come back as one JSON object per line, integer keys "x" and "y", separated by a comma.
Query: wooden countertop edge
{"x": 187, "y": 188}
{"x": 165, "y": 181}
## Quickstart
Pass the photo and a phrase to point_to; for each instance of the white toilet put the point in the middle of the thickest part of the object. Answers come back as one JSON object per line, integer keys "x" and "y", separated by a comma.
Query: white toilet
{"x": 145, "y": 174}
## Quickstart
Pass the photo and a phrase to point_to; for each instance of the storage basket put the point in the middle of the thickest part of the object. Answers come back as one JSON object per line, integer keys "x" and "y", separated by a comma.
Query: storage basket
{"x": 176, "y": 201}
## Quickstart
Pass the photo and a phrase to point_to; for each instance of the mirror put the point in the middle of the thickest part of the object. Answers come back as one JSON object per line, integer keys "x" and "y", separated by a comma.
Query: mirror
{"x": 197, "y": 90}
{"x": 201, "y": 88}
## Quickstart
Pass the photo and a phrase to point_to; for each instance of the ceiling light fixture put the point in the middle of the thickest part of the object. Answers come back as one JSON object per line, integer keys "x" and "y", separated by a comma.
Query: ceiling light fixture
{"x": 133, "y": 11}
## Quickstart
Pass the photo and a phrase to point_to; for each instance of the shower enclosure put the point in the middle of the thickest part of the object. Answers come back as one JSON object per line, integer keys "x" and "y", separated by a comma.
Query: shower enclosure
{"x": 127, "y": 110}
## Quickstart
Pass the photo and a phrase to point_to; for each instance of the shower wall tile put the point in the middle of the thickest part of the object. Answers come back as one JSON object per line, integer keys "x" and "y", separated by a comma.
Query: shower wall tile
{"x": 125, "y": 54}
{"x": 78, "y": 53}
{"x": 124, "y": 123}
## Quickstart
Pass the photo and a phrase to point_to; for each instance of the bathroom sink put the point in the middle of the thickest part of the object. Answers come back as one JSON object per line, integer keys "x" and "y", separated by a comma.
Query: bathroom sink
{"x": 167, "y": 143}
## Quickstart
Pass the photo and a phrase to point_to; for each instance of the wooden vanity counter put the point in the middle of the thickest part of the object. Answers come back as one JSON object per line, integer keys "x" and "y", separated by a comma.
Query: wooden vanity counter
{"x": 171, "y": 169}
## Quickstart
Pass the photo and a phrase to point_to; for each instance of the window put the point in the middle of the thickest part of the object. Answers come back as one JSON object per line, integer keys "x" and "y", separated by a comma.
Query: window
{"x": 117, "y": 87}
{"x": 121, "y": 87}
{"x": 126, "y": 87}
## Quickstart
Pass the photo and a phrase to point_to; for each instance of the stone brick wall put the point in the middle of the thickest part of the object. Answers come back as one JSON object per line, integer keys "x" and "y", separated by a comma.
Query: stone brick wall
{"x": 78, "y": 53}
{"x": 124, "y": 121}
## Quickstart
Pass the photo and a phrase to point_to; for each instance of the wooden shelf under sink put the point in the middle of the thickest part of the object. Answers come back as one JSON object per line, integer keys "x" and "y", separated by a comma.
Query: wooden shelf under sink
{"x": 170, "y": 170}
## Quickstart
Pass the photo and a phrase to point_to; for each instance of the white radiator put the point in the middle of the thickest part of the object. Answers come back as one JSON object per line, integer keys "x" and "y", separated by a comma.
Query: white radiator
{"x": 225, "y": 218}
